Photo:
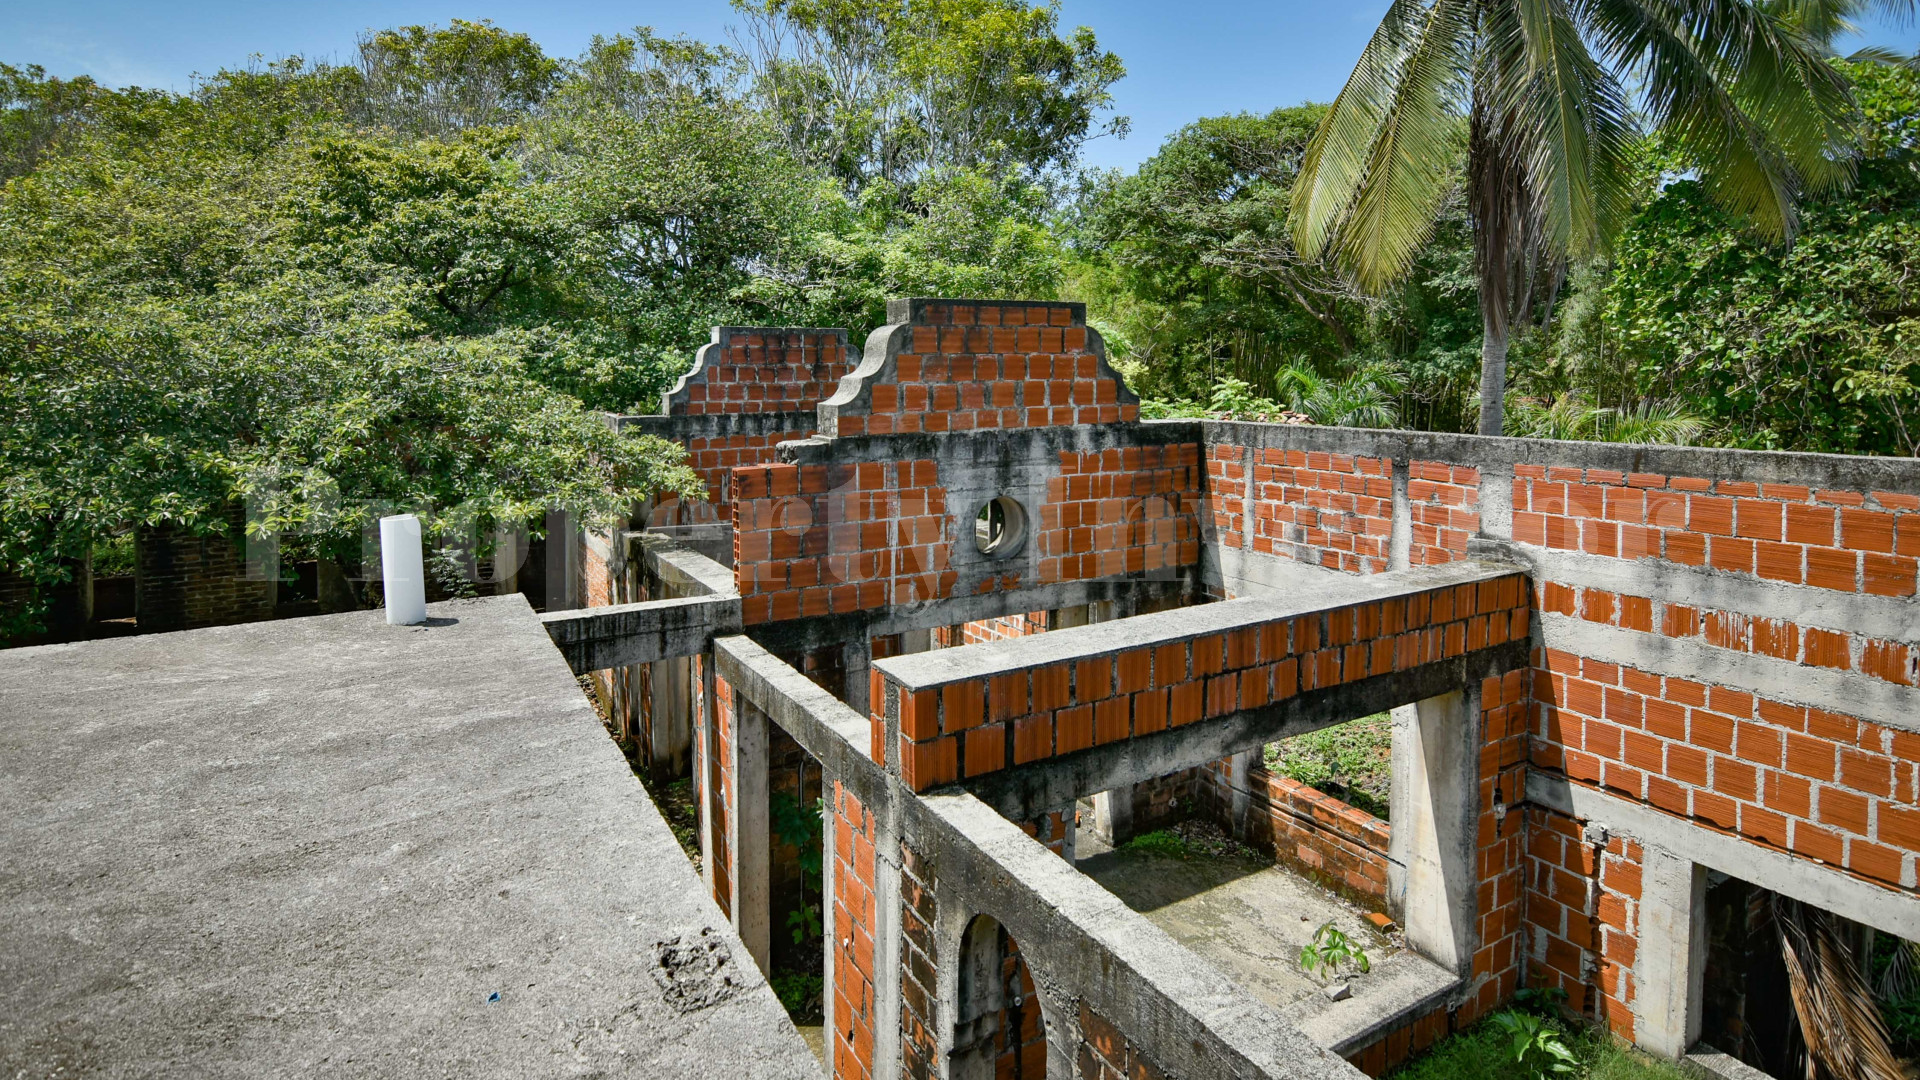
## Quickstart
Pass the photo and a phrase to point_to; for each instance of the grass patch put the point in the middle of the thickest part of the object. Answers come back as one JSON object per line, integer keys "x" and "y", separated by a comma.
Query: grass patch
{"x": 1158, "y": 842}
{"x": 1194, "y": 838}
{"x": 1485, "y": 1052}
{"x": 1352, "y": 762}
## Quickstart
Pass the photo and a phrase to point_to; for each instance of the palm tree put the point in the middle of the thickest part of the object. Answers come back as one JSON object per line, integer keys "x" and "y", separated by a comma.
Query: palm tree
{"x": 1537, "y": 89}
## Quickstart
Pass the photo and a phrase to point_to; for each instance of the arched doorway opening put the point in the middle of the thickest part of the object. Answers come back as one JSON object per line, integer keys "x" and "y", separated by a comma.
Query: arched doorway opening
{"x": 998, "y": 1031}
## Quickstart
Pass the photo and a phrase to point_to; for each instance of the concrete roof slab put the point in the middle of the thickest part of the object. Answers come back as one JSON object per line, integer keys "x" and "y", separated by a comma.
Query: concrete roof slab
{"x": 323, "y": 846}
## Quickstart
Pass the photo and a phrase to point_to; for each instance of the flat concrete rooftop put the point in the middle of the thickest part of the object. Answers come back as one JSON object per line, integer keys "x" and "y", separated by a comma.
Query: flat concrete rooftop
{"x": 331, "y": 847}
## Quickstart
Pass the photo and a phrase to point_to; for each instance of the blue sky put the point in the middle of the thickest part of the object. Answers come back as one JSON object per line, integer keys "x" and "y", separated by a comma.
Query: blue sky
{"x": 1184, "y": 59}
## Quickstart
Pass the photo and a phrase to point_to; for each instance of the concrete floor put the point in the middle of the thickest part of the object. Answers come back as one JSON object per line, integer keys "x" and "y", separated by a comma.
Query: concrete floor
{"x": 1245, "y": 916}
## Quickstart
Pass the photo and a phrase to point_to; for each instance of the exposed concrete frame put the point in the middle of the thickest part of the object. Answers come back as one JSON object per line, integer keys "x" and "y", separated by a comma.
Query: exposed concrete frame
{"x": 1022, "y": 792}
{"x": 1863, "y": 902}
{"x": 595, "y": 639}
{"x": 748, "y": 834}
{"x": 1073, "y": 932}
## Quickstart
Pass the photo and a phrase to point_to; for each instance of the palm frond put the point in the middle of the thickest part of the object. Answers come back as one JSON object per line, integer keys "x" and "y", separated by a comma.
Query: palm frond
{"x": 1376, "y": 167}
{"x": 1575, "y": 128}
{"x": 1844, "y": 1033}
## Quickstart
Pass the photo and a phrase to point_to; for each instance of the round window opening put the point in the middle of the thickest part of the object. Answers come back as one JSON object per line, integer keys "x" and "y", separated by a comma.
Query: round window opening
{"x": 1000, "y": 528}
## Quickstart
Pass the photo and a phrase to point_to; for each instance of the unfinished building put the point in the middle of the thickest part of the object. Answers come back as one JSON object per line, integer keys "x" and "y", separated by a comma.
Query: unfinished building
{"x": 956, "y": 590}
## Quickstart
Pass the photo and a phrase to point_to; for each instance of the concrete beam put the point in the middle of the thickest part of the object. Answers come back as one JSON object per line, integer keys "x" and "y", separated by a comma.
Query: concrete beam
{"x": 1885, "y": 909}
{"x": 800, "y": 635}
{"x": 680, "y": 570}
{"x": 1121, "y": 635}
{"x": 595, "y": 639}
{"x": 1022, "y": 792}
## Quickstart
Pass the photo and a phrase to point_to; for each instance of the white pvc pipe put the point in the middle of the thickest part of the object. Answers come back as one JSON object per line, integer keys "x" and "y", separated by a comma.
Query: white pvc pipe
{"x": 402, "y": 571}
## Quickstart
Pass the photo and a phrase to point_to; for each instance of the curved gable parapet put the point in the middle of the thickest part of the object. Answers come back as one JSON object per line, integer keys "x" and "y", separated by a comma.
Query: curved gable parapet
{"x": 971, "y": 365}
{"x": 760, "y": 369}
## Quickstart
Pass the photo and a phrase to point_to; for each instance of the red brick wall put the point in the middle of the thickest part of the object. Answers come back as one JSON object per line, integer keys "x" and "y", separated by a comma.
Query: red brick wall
{"x": 1443, "y": 503}
{"x": 1821, "y": 785}
{"x": 1060, "y": 708}
{"x": 1331, "y": 510}
{"x": 919, "y": 976}
{"x": 761, "y": 369}
{"x": 968, "y": 366}
{"x": 817, "y": 540}
{"x": 1506, "y": 710}
{"x": 1226, "y": 487}
{"x": 1583, "y": 902}
{"x": 1339, "y": 844}
{"x": 1002, "y": 628}
{"x": 715, "y": 458}
{"x": 1113, "y": 512}
{"x": 1865, "y": 542}
{"x": 855, "y": 871}
{"x": 725, "y": 797}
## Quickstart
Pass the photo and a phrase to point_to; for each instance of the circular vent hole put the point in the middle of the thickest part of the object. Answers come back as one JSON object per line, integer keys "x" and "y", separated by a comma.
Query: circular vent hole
{"x": 1000, "y": 527}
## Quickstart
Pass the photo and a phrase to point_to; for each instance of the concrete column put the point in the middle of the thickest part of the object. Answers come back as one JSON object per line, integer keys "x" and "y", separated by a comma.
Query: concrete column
{"x": 1400, "y": 531}
{"x": 856, "y": 658}
{"x": 1434, "y": 807}
{"x": 1113, "y": 816}
{"x": 1240, "y": 789}
{"x": 1671, "y": 953}
{"x": 752, "y": 856}
{"x": 669, "y": 717}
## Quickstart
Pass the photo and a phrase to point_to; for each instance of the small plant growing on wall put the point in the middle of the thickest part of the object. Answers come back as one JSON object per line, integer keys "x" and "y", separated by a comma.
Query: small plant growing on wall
{"x": 1331, "y": 952}
{"x": 800, "y": 825}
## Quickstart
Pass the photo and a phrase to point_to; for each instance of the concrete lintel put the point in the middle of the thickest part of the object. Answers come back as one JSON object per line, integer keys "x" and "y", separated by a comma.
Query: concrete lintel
{"x": 835, "y": 735}
{"x": 1075, "y": 934}
{"x": 1490, "y": 453}
{"x": 680, "y": 429}
{"x": 595, "y": 639}
{"x": 1859, "y": 695}
{"x": 1025, "y": 791}
{"x": 1891, "y": 910}
{"x": 944, "y": 666}
{"x": 825, "y": 630}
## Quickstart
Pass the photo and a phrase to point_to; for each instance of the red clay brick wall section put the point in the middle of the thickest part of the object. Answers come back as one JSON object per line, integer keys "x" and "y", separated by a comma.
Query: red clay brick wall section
{"x": 1226, "y": 494}
{"x": 715, "y": 458}
{"x": 919, "y": 978}
{"x": 1583, "y": 903}
{"x": 1329, "y": 510}
{"x": 988, "y": 366}
{"x": 855, "y": 871}
{"x": 1114, "y": 512}
{"x": 1842, "y": 540}
{"x": 1822, "y": 785}
{"x": 1306, "y": 828}
{"x": 1443, "y": 502}
{"x": 1003, "y": 628}
{"x": 817, "y": 540}
{"x": 762, "y": 370}
{"x": 1031, "y": 714}
{"x": 724, "y": 797}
